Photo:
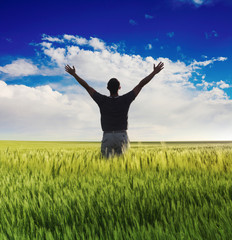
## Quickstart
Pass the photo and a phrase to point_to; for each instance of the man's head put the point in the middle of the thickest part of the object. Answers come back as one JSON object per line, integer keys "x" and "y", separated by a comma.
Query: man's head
{"x": 113, "y": 86}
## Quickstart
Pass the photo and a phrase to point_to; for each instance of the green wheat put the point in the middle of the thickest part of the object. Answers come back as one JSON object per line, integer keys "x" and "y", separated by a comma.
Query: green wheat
{"x": 57, "y": 190}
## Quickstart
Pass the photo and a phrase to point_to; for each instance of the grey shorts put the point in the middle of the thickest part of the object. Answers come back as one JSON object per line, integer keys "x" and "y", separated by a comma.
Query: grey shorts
{"x": 114, "y": 143}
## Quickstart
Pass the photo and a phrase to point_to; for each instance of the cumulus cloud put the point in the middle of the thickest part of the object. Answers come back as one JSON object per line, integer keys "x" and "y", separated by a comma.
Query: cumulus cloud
{"x": 51, "y": 39}
{"x": 20, "y": 67}
{"x": 197, "y": 64}
{"x": 76, "y": 39}
{"x": 205, "y": 84}
{"x": 198, "y": 1}
{"x": 222, "y": 84}
{"x": 56, "y": 54}
{"x": 40, "y": 113}
{"x": 170, "y": 107}
{"x": 97, "y": 43}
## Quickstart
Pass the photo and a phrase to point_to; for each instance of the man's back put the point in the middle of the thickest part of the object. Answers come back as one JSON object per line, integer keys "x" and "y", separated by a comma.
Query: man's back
{"x": 114, "y": 110}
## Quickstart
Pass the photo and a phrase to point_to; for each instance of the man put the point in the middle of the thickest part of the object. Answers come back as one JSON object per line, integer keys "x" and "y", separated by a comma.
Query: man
{"x": 114, "y": 111}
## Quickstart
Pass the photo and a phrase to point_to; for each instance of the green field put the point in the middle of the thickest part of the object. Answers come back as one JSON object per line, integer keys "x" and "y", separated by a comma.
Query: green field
{"x": 65, "y": 190}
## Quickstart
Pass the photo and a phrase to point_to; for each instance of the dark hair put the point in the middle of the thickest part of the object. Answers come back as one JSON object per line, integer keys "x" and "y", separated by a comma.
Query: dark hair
{"x": 113, "y": 85}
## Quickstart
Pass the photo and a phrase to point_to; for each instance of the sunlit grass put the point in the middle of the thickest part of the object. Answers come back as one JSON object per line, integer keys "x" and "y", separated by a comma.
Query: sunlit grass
{"x": 60, "y": 190}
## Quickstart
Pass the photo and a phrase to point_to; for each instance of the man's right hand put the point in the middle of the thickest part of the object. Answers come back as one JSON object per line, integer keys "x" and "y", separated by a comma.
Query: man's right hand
{"x": 159, "y": 67}
{"x": 70, "y": 70}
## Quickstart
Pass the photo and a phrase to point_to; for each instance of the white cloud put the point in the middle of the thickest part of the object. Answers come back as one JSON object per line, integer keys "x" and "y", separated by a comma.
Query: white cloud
{"x": 56, "y": 54}
{"x": 205, "y": 84}
{"x": 96, "y": 43}
{"x": 216, "y": 96}
{"x": 51, "y": 39}
{"x": 46, "y": 44}
{"x": 198, "y": 1}
{"x": 222, "y": 84}
{"x": 76, "y": 39}
{"x": 221, "y": 59}
{"x": 170, "y": 107}
{"x": 197, "y": 64}
{"x": 20, "y": 67}
{"x": 41, "y": 113}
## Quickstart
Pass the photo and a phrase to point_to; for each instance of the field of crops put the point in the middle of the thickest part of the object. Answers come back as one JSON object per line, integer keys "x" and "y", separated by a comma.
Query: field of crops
{"x": 65, "y": 190}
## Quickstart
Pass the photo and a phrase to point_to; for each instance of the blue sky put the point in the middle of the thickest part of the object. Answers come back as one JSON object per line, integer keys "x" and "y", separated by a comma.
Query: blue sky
{"x": 190, "y": 100}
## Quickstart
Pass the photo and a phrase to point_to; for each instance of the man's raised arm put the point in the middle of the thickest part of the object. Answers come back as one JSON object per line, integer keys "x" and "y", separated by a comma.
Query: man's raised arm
{"x": 147, "y": 79}
{"x": 83, "y": 83}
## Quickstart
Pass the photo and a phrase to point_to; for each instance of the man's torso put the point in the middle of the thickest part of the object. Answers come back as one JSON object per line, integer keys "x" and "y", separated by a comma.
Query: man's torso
{"x": 114, "y": 110}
